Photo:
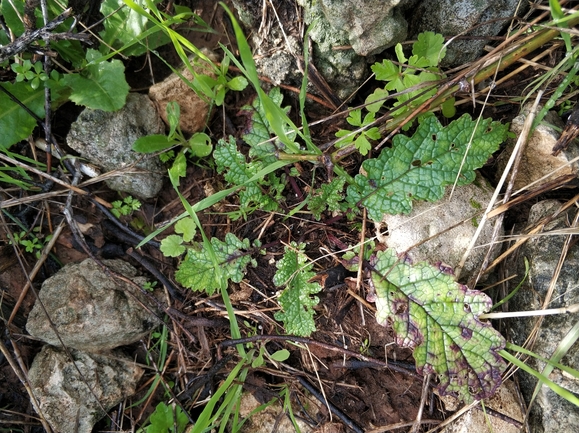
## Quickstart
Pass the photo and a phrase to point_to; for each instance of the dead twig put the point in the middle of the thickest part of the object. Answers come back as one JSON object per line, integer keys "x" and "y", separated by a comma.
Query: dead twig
{"x": 29, "y": 37}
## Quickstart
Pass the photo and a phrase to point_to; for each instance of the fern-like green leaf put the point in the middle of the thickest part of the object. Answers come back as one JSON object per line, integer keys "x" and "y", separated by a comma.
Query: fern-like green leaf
{"x": 197, "y": 270}
{"x": 296, "y": 300}
{"x": 419, "y": 167}
{"x": 438, "y": 318}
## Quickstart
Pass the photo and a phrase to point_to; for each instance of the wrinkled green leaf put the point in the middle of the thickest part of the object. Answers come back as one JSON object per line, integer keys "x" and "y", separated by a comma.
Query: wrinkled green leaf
{"x": 419, "y": 167}
{"x": 101, "y": 86}
{"x": 237, "y": 171}
{"x": 296, "y": 300}
{"x": 15, "y": 123}
{"x": 329, "y": 196}
{"x": 197, "y": 270}
{"x": 438, "y": 318}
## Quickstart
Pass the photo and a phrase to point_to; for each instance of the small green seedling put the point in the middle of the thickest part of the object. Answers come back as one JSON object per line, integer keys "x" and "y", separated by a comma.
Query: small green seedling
{"x": 165, "y": 419}
{"x": 125, "y": 206}
{"x": 27, "y": 71}
{"x": 149, "y": 286}
{"x": 32, "y": 243}
{"x": 198, "y": 145}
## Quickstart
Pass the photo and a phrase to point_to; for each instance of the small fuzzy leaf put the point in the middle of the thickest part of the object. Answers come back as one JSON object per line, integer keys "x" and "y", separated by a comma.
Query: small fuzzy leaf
{"x": 419, "y": 167}
{"x": 438, "y": 318}
{"x": 187, "y": 228}
{"x": 15, "y": 123}
{"x": 294, "y": 271}
{"x": 101, "y": 86}
{"x": 172, "y": 246}
{"x": 237, "y": 83}
{"x": 197, "y": 270}
{"x": 280, "y": 355}
{"x": 178, "y": 169}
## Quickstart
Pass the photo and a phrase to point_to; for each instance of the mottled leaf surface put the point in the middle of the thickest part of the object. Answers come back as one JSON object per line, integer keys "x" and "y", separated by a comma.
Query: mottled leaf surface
{"x": 237, "y": 171}
{"x": 419, "y": 167}
{"x": 438, "y": 318}
{"x": 296, "y": 300}
{"x": 197, "y": 270}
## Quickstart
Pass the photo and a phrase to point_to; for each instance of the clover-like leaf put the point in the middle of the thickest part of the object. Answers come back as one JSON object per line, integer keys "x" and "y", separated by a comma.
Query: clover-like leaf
{"x": 419, "y": 167}
{"x": 197, "y": 270}
{"x": 163, "y": 419}
{"x": 296, "y": 300}
{"x": 172, "y": 246}
{"x": 187, "y": 228}
{"x": 430, "y": 46}
{"x": 438, "y": 318}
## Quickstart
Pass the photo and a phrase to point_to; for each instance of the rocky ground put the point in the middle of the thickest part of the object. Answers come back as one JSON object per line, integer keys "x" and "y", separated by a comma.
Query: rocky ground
{"x": 349, "y": 375}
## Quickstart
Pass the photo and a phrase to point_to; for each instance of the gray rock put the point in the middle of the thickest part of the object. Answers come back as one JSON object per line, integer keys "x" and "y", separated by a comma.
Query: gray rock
{"x": 407, "y": 233}
{"x": 71, "y": 402}
{"x": 342, "y": 68}
{"x": 371, "y": 25}
{"x": 549, "y": 413}
{"x": 537, "y": 161}
{"x": 505, "y": 402}
{"x": 106, "y": 140}
{"x": 91, "y": 311}
{"x": 452, "y": 18}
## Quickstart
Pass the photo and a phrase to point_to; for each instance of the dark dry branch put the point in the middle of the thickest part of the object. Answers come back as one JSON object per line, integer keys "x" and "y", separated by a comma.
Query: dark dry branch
{"x": 345, "y": 418}
{"x": 24, "y": 42}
